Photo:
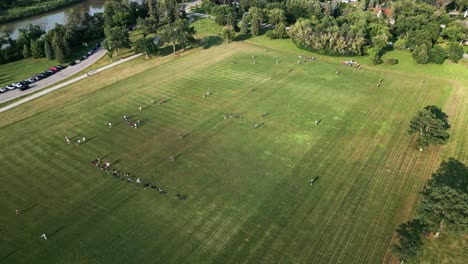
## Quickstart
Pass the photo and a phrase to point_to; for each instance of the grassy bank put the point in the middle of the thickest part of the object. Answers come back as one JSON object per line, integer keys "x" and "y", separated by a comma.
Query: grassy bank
{"x": 36, "y": 8}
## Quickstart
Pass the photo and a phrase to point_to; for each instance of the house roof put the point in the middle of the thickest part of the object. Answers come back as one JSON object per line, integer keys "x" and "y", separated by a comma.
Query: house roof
{"x": 386, "y": 11}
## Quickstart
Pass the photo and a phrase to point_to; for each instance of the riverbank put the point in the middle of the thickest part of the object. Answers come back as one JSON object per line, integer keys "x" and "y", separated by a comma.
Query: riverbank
{"x": 17, "y": 13}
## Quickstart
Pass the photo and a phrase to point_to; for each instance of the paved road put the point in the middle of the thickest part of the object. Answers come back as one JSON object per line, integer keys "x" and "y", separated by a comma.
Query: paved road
{"x": 60, "y": 76}
{"x": 46, "y": 91}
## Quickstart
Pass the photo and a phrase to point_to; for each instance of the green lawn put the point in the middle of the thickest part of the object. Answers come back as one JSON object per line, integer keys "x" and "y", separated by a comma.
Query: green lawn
{"x": 19, "y": 70}
{"x": 248, "y": 194}
{"x": 22, "y": 69}
{"x": 449, "y": 248}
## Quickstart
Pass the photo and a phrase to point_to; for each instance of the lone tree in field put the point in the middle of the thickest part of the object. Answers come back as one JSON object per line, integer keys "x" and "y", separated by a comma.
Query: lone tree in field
{"x": 445, "y": 201}
{"x": 430, "y": 126}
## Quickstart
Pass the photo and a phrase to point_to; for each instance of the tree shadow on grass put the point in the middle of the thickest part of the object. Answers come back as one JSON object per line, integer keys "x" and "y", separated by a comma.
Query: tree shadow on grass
{"x": 165, "y": 51}
{"x": 210, "y": 41}
{"x": 243, "y": 37}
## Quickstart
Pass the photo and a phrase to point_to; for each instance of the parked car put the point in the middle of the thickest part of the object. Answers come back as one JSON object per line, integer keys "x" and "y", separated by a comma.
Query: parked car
{"x": 72, "y": 63}
{"x": 39, "y": 76}
{"x": 59, "y": 67}
{"x": 17, "y": 84}
{"x": 24, "y": 87}
{"x": 53, "y": 69}
{"x": 31, "y": 80}
{"x": 83, "y": 57}
{"x": 3, "y": 89}
{"x": 10, "y": 87}
{"x": 98, "y": 44}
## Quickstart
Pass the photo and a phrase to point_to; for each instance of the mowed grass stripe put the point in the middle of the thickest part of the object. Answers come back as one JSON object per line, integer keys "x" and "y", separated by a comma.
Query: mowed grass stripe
{"x": 242, "y": 183}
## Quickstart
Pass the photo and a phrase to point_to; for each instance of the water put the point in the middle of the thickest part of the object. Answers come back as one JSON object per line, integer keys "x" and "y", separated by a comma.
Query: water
{"x": 49, "y": 19}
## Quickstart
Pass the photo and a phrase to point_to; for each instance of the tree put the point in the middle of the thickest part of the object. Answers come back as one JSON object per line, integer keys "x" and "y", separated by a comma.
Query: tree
{"x": 278, "y": 32}
{"x": 446, "y": 198}
{"x": 146, "y": 25}
{"x": 455, "y": 52}
{"x": 26, "y": 51}
{"x": 178, "y": 32}
{"x": 374, "y": 56}
{"x": 244, "y": 28}
{"x": 228, "y": 33}
{"x": 37, "y": 48}
{"x": 444, "y": 204}
{"x": 169, "y": 10}
{"x": 430, "y": 126}
{"x": 48, "y": 50}
{"x": 437, "y": 55}
{"x": 224, "y": 15}
{"x": 276, "y": 16}
{"x": 146, "y": 46}
{"x": 28, "y": 33}
{"x": 256, "y": 18}
{"x": 400, "y": 44}
{"x": 420, "y": 54}
{"x": 116, "y": 38}
{"x": 60, "y": 48}
{"x": 116, "y": 13}
{"x": 409, "y": 239}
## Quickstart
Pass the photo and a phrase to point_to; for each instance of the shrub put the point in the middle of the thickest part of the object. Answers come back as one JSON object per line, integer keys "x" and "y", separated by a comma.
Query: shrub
{"x": 420, "y": 54}
{"x": 437, "y": 55}
{"x": 400, "y": 44}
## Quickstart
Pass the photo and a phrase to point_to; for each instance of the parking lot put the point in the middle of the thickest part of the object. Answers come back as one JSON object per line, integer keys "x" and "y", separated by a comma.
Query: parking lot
{"x": 50, "y": 78}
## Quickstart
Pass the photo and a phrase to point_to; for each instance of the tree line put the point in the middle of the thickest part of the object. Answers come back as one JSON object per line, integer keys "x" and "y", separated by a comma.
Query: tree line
{"x": 444, "y": 203}
{"x": 165, "y": 18}
{"x": 334, "y": 28}
{"x": 443, "y": 208}
{"x": 58, "y": 43}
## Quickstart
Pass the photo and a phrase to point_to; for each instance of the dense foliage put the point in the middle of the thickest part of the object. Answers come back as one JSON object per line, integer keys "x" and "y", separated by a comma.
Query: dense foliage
{"x": 58, "y": 43}
{"x": 370, "y": 27}
{"x": 444, "y": 206}
{"x": 430, "y": 126}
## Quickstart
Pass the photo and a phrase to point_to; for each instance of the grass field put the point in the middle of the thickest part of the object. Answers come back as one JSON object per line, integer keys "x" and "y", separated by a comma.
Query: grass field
{"x": 19, "y": 70}
{"x": 248, "y": 194}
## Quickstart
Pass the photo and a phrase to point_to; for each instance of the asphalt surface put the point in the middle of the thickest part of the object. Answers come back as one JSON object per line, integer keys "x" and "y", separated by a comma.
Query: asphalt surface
{"x": 46, "y": 91}
{"x": 51, "y": 80}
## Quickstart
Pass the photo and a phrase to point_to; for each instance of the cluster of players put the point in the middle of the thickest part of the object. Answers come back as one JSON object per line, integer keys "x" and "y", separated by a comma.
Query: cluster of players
{"x": 125, "y": 176}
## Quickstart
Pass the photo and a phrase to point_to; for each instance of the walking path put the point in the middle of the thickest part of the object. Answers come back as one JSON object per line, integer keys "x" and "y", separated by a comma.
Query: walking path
{"x": 46, "y": 91}
{"x": 59, "y": 76}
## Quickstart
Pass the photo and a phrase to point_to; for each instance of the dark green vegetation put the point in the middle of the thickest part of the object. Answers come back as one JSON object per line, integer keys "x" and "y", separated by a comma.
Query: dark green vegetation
{"x": 162, "y": 17}
{"x": 248, "y": 192}
{"x": 60, "y": 43}
{"x": 430, "y": 126}
{"x": 17, "y": 9}
{"x": 370, "y": 27}
{"x": 443, "y": 209}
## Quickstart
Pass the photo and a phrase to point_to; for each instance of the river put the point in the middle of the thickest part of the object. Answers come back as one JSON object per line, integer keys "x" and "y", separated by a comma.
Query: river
{"x": 49, "y": 19}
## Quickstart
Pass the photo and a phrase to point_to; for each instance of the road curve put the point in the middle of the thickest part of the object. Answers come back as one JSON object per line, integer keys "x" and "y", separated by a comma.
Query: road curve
{"x": 53, "y": 79}
{"x": 46, "y": 91}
